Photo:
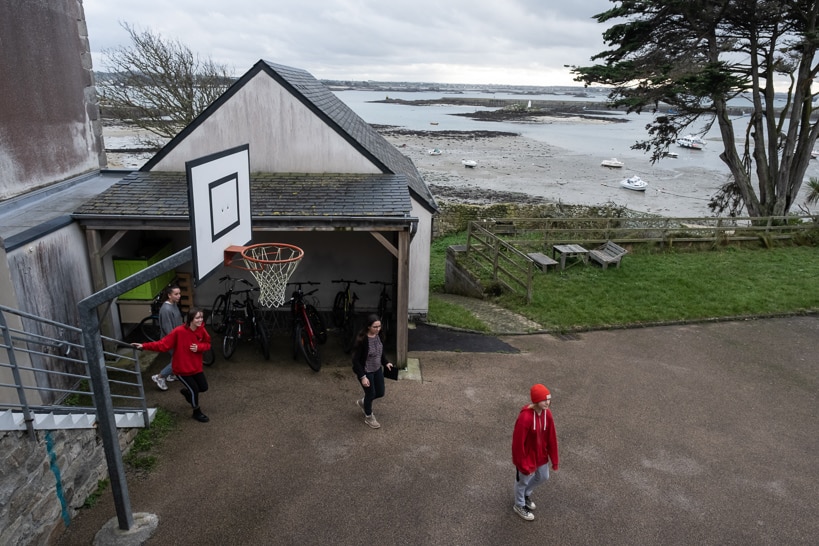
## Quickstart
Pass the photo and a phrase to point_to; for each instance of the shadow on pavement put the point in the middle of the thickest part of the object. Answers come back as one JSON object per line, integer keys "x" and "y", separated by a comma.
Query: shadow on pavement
{"x": 432, "y": 338}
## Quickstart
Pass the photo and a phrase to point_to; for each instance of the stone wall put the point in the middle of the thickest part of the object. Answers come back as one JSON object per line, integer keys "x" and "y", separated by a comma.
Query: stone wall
{"x": 457, "y": 279}
{"x": 455, "y": 217}
{"x": 45, "y": 480}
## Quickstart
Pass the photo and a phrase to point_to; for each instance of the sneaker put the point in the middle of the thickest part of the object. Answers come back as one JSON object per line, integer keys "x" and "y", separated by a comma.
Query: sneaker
{"x": 523, "y": 512}
{"x": 370, "y": 420}
{"x": 171, "y": 377}
{"x": 160, "y": 382}
{"x": 360, "y": 404}
{"x": 530, "y": 505}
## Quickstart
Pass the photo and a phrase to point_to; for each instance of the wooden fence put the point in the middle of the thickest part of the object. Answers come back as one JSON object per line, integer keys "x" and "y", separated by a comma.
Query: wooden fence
{"x": 506, "y": 264}
{"x": 493, "y": 245}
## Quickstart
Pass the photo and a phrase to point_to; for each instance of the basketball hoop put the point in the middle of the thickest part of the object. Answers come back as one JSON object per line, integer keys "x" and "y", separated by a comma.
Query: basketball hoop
{"x": 271, "y": 264}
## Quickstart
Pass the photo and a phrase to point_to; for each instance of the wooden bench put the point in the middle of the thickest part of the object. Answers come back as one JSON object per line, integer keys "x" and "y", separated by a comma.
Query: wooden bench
{"x": 608, "y": 253}
{"x": 542, "y": 261}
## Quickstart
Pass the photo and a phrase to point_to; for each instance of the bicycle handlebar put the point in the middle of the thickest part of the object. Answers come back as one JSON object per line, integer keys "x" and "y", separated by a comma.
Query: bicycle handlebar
{"x": 229, "y": 278}
{"x": 340, "y": 281}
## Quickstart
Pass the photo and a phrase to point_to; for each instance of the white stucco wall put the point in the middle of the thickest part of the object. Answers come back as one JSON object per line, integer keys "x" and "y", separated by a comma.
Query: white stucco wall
{"x": 419, "y": 262}
{"x": 284, "y": 135}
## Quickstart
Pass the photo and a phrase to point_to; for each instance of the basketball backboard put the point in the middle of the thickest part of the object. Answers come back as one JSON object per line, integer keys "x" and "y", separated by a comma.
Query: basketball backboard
{"x": 219, "y": 204}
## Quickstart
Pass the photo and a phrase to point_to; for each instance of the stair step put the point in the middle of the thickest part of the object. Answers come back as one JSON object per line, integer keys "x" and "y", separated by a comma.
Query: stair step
{"x": 14, "y": 420}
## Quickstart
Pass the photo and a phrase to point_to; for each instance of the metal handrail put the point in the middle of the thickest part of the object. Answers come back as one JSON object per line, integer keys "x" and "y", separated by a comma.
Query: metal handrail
{"x": 33, "y": 367}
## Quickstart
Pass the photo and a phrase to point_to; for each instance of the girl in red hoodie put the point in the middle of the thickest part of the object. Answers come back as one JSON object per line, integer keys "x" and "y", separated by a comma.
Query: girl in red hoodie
{"x": 188, "y": 342}
{"x": 534, "y": 444}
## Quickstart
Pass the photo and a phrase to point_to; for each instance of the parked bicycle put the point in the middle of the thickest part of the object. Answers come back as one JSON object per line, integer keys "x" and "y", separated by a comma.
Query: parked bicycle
{"x": 344, "y": 313}
{"x": 223, "y": 302}
{"x": 238, "y": 319}
{"x": 383, "y": 309}
{"x": 149, "y": 326}
{"x": 308, "y": 328}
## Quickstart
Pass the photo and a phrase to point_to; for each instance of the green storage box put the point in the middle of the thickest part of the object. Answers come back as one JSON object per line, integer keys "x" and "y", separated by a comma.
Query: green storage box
{"x": 149, "y": 255}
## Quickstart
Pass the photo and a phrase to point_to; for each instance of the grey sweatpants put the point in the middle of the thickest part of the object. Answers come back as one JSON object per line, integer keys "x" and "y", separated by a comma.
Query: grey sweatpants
{"x": 525, "y": 484}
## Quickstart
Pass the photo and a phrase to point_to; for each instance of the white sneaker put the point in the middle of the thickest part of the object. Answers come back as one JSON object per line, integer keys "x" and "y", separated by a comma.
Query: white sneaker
{"x": 160, "y": 382}
{"x": 171, "y": 377}
{"x": 523, "y": 512}
{"x": 530, "y": 505}
{"x": 370, "y": 420}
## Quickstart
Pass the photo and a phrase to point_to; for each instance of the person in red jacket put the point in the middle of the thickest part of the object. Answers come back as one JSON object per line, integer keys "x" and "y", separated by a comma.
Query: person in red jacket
{"x": 534, "y": 444}
{"x": 187, "y": 342}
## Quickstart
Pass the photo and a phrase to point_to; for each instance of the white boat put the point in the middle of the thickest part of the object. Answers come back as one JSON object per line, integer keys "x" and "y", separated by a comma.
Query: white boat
{"x": 434, "y": 151}
{"x": 469, "y": 163}
{"x": 634, "y": 183}
{"x": 814, "y": 154}
{"x": 672, "y": 155}
{"x": 691, "y": 141}
{"x": 612, "y": 163}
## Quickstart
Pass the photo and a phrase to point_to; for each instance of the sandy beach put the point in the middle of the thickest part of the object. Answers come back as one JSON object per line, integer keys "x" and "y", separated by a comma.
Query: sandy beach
{"x": 523, "y": 169}
{"x": 516, "y": 169}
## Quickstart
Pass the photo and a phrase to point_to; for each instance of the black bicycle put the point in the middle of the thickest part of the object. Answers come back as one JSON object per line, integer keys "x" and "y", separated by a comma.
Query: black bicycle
{"x": 223, "y": 303}
{"x": 384, "y": 314}
{"x": 344, "y": 313}
{"x": 308, "y": 328}
{"x": 238, "y": 319}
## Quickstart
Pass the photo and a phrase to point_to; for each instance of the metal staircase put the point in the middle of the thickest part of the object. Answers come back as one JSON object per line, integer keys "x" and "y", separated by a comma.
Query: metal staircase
{"x": 45, "y": 382}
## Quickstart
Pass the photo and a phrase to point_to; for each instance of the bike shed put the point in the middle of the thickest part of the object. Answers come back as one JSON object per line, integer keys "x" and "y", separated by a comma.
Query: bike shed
{"x": 320, "y": 178}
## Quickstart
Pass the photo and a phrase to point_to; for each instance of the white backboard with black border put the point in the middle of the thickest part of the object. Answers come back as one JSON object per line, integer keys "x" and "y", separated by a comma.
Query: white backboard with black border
{"x": 219, "y": 203}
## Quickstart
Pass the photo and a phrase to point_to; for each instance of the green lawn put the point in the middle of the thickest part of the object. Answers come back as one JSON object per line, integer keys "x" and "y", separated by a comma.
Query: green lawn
{"x": 665, "y": 286}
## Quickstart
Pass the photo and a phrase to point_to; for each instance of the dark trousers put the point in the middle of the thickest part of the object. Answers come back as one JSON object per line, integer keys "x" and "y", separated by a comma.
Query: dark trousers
{"x": 194, "y": 384}
{"x": 375, "y": 390}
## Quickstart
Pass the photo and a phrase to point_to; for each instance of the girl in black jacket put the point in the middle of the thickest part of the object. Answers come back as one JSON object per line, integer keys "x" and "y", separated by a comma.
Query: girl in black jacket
{"x": 368, "y": 359}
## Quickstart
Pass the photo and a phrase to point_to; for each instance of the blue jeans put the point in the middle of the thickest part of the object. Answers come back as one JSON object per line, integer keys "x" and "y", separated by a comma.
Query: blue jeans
{"x": 375, "y": 390}
{"x": 525, "y": 484}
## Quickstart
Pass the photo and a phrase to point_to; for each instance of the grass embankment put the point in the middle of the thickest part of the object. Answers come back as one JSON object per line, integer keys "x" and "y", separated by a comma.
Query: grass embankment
{"x": 665, "y": 286}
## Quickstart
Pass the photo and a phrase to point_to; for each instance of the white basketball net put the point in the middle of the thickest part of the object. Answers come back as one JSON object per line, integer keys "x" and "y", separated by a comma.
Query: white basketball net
{"x": 272, "y": 276}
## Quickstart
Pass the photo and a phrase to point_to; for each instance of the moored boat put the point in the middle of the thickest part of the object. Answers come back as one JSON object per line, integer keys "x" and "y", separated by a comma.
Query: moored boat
{"x": 612, "y": 163}
{"x": 434, "y": 151}
{"x": 691, "y": 141}
{"x": 634, "y": 183}
{"x": 469, "y": 163}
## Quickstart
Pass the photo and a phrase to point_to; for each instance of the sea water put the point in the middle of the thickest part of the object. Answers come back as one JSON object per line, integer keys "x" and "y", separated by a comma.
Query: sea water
{"x": 596, "y": 139}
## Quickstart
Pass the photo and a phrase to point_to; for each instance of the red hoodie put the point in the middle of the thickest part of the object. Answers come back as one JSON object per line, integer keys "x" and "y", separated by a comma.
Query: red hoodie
{"x": 534, "y": 441}
{"x": 184, "y": 361}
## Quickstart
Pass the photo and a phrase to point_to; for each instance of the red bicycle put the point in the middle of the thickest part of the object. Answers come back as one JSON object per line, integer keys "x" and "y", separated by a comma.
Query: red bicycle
{"x": 308, "y": 328}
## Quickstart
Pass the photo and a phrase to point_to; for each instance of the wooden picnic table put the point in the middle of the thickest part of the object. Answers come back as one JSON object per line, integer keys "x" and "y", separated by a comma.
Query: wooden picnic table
{"x": 570, "y": 251}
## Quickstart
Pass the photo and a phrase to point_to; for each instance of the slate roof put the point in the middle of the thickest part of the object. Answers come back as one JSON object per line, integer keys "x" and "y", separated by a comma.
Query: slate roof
{"x": 319, "y": 99}
{"x": 273, "y": 196}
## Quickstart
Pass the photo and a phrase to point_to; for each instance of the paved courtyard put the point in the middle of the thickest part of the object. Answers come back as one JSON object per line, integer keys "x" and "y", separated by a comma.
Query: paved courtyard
{"x": 697, "y": 434}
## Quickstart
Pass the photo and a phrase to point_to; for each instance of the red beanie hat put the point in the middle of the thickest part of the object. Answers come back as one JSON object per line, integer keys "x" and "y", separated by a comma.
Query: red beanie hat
{"x": 539, "y": 393}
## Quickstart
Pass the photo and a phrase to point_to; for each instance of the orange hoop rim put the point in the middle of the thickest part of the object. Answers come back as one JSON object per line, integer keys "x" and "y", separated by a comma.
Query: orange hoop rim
{"x": 232, "y": 251}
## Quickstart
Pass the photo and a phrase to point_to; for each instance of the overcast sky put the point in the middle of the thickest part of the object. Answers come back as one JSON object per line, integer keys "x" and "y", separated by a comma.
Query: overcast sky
{"x": 524, "y": 42}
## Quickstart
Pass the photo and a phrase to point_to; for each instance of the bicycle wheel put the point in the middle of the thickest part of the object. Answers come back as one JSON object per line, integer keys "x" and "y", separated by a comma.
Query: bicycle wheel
{"x": 231, "y": 339}
{"x": 317, "y": 323}
{"x": 296, "y": 333}
{"x": 209, "y": 357}
{"x": 261, "y": 334}
{"x": 348, "y": 332}
{"x": 339, "y": 305}
{"x": 218, "y": 315}
{"x": 309, "y": 349}
{"x": 150, "y": 328}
